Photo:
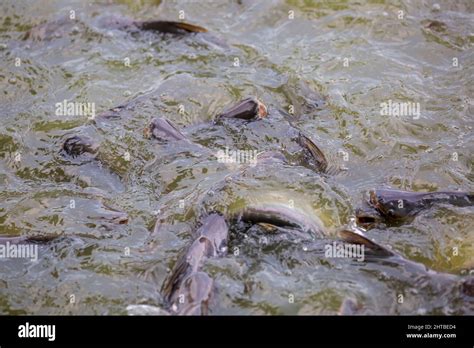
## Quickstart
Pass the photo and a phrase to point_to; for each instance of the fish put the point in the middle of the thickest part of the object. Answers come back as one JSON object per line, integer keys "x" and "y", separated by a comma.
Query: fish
{"x": 65, "y": 26}
{"x": 397, "y": 205}
{"x": 367, "y": 216}
{"x": 357, "y": 237}
{"x": 247, "y": 109}
{"x": 160, "y": 128}
{"x": 314, "y": 153}
{"x": 281, "y": 215}
{"x": 78, "y": 144}
{"x": 188, "y": 290}
{"x": 274, "y": 217}
{"x": 301, "y": 96}
{"x": 170, "y": 27}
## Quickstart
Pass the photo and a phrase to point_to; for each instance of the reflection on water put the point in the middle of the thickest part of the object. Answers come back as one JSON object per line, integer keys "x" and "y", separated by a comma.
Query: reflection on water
{"x": 324, "y": 68}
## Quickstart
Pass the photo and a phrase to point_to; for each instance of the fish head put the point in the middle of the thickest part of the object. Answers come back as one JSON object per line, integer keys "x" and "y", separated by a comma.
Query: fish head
{"x": 79, "y": 144}
{"x": 160, "y": 128}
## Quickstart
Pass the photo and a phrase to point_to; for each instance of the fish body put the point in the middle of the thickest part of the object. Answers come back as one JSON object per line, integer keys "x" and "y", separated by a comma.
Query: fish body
{"x": 396, "y": 204}
{"x": 188, "y": 289}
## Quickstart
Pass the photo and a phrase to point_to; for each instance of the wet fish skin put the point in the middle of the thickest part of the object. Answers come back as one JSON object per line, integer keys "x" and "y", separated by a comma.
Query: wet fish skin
{"x": 215, "y": 230}
{"x": 64, "y": 26}
{"x": 186, "y": 278}
{"x": 79, "y": 144}
{"x": 197, "y": 288}
{"x": 170, "y": 27}
{"x": 315, "y": 152}
{"x": 301, "y": 95}
{"x": 367, "y": 217}
{"x": 163, "y": 129}
{"x": 282, "y": 216}
{"x": 247, "y": 109}
{"x": 397, "y": 204}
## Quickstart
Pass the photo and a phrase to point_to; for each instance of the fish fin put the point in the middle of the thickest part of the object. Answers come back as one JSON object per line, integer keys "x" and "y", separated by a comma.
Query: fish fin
{"x": 353, "y": 237}
{"x": 316, "y": 153}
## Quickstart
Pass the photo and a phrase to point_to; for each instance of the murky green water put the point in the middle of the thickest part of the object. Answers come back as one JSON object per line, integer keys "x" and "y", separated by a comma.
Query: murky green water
{"x": 356, "y": 54}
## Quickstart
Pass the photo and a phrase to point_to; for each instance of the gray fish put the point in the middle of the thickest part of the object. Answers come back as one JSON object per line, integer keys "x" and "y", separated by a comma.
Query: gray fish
{"x": 162, "y": 129}
{"x": 247, "y": 109}
{"x": 188, "y": 290}
{"x": 282, "y": 216}
{"x": 396, "y": 205}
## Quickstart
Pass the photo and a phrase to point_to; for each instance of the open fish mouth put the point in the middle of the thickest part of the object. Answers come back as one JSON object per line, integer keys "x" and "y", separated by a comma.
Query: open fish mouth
{"x": 247, "y": 109}
{"x": 280, "y": 136}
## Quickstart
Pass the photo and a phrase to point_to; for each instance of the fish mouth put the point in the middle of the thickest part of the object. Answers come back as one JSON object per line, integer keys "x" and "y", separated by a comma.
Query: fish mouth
{"x": 77, "y": 145}
{"x": 247, "y": 109}
{"x": 367, "y": 216}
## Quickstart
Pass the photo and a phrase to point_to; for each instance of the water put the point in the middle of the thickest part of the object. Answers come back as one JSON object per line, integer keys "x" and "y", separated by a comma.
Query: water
{"x": 357, "y": 55}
